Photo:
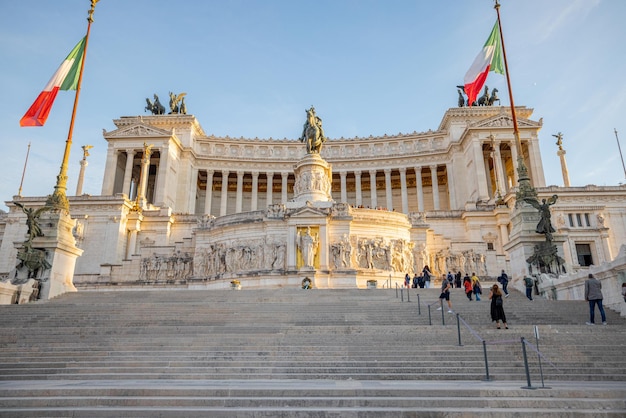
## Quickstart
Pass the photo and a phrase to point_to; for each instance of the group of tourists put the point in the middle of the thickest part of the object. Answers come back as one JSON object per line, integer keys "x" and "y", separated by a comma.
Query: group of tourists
{"x": 498, "y": 292}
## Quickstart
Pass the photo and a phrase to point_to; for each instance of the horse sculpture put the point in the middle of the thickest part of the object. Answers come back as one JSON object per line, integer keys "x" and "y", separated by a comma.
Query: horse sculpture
{"x": 484, "y": 99}
{"x": 156, "y": 108}
{"x": 312, "y": 133}
{"x": 494, "y": 98}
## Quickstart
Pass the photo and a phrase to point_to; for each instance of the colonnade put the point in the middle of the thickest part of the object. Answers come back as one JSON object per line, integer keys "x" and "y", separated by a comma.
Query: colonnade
{"x": 405, "y": 189}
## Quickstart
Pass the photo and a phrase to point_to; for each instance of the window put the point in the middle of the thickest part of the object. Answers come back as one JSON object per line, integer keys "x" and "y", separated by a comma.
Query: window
{"x": 583, "y": 252}
{"x": 490, "y": 246}
{"x": 571, "y": 220}
{"x": 587, "y": 219}
{"x": 580, "y": 223}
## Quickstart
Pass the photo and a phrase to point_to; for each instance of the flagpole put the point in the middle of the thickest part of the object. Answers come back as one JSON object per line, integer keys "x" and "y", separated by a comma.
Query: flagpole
{"x": 19, "y": 192}
{"x": 620, "y": 152}
{"x": 58, "y": 200}
{"x": 525, "y": 188}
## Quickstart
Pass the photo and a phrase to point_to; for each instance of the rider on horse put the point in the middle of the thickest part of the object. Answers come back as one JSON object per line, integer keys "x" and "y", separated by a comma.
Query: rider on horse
{"x": 312, "y": 132}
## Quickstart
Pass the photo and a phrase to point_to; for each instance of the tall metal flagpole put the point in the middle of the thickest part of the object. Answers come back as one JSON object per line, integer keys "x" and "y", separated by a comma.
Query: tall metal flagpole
{"x": 620, "y": 152}
{"x": 19, "y": 192}
{"x": 525, "y": 191}
{"x": 58, "y": 200}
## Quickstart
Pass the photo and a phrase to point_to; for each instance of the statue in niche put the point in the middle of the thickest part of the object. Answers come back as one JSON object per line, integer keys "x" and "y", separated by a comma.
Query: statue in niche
{"x": 312, "y": 132}
{"x": 308, "y": 245}
{"x": 155, "y": 108}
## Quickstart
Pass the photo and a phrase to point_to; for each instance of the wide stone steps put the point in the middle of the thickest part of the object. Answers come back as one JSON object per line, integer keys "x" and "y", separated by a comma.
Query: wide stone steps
{"x": 256, "y": 398}
{"x": 290, "y": 352}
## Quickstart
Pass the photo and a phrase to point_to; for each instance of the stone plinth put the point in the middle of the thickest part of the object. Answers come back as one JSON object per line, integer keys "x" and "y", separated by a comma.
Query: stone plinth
{"x": 313, "y": 180}
{"x": 61, "y": 252}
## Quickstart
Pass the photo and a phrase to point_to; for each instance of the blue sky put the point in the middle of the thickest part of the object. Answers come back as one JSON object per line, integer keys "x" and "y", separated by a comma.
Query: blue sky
{"x": 251, "y": 68}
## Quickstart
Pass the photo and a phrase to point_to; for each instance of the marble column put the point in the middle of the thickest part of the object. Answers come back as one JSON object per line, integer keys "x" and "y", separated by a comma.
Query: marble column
{"x": 283, "y": 188}
{"x": 480, "y": 172}
{"x": 373, "y": 196}
{"x": 224, "y": 197}
{"x": 161, "y": 180}
{"x": 514, "y": 159}
{"x": 435, "y": 182}
{"x": 451, "y": 186}
{"x": 143, "y": 180}
{"x": 193, "y": 191}
{"x": 128, "y": 172}
{"x": 270, "y": 187}
{"x": 344, "y": 191}
{"x": 81, "y": 177}
{"x": 109, "y": 172}
{"x": 388, "y": 192}
{"x": 561, "y": 153}
{"x": 497, "y": 158}
{"x": 419, "y": 188}
{"x": 405, "y": 197}
{"x": 239, "y": 195}
{"x": 208, "y": 197}
{"x": 357, "y": 184}
{"x": 255, "y": 191}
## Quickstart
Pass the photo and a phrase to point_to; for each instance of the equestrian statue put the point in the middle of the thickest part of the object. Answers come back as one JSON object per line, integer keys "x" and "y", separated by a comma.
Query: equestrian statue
{"x": 312, "y": 132}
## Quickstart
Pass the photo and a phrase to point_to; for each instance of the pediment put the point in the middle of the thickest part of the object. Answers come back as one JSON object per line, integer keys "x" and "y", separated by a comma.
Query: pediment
{"x": 309, "y": 211}
{"x": 504, "y": 121}
{"x": 137, "y": 131}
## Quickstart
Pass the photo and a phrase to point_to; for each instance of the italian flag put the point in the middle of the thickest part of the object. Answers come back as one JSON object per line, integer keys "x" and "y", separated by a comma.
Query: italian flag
{"x": 489, "y": 59}
{"x": 65, "y": 78}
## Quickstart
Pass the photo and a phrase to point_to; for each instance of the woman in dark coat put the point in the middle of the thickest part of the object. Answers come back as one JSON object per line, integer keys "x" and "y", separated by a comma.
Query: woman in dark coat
{"x": 497, "y": 308}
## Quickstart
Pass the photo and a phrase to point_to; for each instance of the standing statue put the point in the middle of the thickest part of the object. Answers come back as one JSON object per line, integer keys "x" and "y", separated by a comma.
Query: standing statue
{"x": 32, "y": 221}
{"x": 545, "y": 225}
{"x": 174, "y": 102}
{"x": 307, "y": 244}
{"x": 183, "y": 107}
{"x": 312, "y": 132}
{"x": 461, "y": 98}
{"x": 559, "y": 140}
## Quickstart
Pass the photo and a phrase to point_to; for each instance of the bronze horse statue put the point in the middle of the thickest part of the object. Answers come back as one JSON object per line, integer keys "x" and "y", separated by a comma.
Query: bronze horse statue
{"x": 312, "y": 133}
{"x": 155, "y": 108}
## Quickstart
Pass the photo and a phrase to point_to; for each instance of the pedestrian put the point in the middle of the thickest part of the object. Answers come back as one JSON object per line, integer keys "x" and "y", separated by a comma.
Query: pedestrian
{"x": 415, "y": 281}
{"x": 457, "y": 280}
{"x": 467, "y": 283}
{"x": 407, "y": 280}
{"x": 504, "y": 281}
{"x": 624, "y": 291}
{"x": 530, "y": 283}
{"x": 427, "y": 273}
{"x": 445, "y": 294}
{"x": 497, "y": 307}
{"x": 450, "y": 278}
{"x": 476, "y": 286}
{"x": 593, "y": 294}
{"x": 421, "y": 282}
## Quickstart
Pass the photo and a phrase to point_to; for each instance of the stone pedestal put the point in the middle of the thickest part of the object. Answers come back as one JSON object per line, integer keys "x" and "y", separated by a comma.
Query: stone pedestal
{"x": 313, "y": 180}
{"x": 524, "y": 240}
{"x": 61, "y": 252}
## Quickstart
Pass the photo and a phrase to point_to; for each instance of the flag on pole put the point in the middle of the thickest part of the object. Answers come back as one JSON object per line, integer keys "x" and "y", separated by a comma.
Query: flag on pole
{"x": 65, "y": 78}
{"x": 489, "y": 59}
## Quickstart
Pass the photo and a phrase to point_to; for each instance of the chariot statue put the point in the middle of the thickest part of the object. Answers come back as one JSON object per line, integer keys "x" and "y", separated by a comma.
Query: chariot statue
{"x": 155, "y": 108}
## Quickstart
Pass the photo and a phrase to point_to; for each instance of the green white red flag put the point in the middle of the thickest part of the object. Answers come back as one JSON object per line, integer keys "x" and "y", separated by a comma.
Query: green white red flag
{"x": 489, "y": 59}
{"x": 65, "y": 78}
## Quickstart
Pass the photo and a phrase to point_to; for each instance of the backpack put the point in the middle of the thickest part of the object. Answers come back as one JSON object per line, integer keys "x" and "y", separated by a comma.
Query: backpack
{"x": 528, "y": 281}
